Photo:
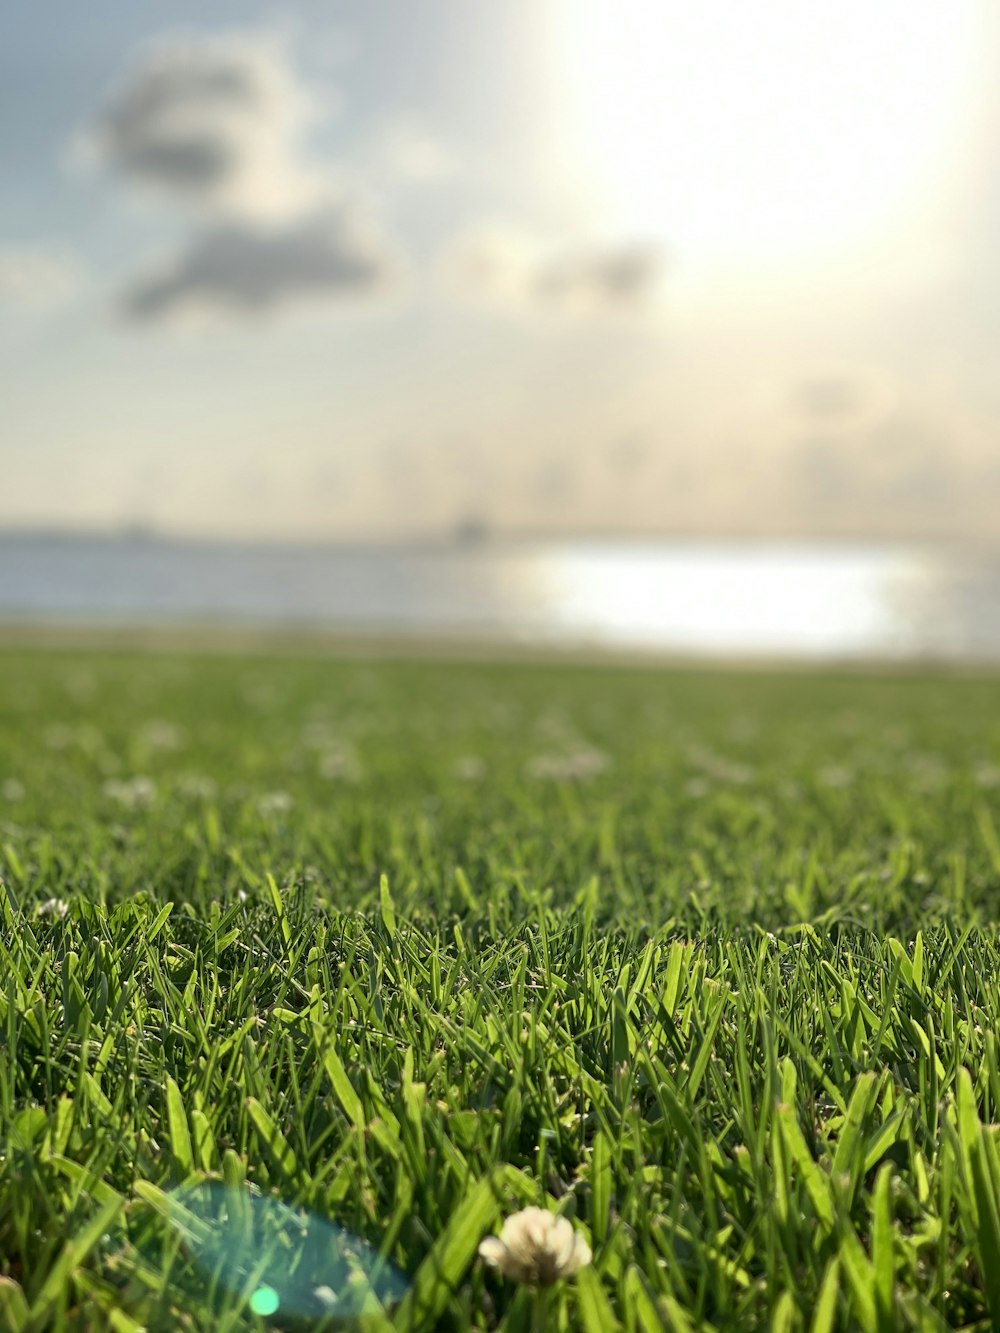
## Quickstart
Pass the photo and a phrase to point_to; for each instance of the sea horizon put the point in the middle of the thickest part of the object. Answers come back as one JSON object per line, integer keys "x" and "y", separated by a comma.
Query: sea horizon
{"x": 735, "y": 597}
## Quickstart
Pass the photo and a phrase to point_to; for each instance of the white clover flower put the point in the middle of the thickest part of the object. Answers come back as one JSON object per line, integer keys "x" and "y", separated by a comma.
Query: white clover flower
{"x": 319, "y": 734}
{"x": 133, "y": 793}
{"x": 274, "y": 803}
{"x": 158, "y": 734}
{"x": 339, "y": 761}
{"x": 326, "y": 1296}
{"x": 575, "y": 765}
{"x": 717, "y": 766}
{"x": 197, "y": 787}
{"x": 536, "y": 1247}
{"x": 53, "y": 907}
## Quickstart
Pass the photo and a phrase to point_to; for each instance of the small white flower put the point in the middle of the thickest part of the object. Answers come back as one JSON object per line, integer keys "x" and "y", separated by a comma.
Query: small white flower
{"x": 326, "y": 1296}
{"x": 53, "y": 907}
{"x": 160, "y": 735}
{"x": 339, "y": 762}
{"x": 197, "y": 787}
{"x": 536, "y": 1247}
{"x": 318, "y": 734}
{"x": 133, "y": 793}
{"x": 835, "y": 775}
{"x": 719, "y": 767}
{"x": 572, "y": 766}
{"x": 274, "y": 803}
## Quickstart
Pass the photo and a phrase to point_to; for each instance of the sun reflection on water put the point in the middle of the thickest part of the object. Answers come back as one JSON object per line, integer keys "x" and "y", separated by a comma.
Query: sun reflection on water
{"x": 734, "y": 599}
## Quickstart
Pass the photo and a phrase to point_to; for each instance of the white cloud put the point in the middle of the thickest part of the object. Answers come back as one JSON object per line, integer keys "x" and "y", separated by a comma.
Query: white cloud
{"x": 238, "y": 271}
{"x": 36, "y": 277}
{"x": 216, "y": 124}
{"x": 507, "y": 265}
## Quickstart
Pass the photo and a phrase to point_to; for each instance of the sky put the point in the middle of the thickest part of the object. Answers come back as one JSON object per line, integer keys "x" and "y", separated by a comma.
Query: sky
{"x": 375, "y": 271}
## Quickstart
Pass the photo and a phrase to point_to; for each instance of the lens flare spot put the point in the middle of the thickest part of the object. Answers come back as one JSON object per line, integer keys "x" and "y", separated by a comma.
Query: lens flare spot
{"x": 265, "y": 1300}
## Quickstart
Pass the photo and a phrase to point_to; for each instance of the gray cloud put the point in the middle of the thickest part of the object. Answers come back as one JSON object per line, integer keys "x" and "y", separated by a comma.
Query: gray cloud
{"x": 217, "y": 123}
{"x": 240, "y": 271}
{"x": 213, "y": 122}
{"x": 171, "y": 124}
{"x": 508, "y": 266}
{"x": 598, "y": 280}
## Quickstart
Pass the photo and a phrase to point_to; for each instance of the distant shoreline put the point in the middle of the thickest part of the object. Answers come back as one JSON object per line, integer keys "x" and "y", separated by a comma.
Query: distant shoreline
{"x": 506, "y": 540}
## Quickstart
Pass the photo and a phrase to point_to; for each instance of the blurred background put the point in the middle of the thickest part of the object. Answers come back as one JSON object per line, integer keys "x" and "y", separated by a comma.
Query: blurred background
{"x": 653, "y": 326}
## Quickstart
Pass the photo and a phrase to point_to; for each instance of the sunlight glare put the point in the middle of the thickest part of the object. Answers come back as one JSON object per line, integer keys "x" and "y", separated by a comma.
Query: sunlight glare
{"x": 753, "y": 130}
{"x": 738, "y": 599}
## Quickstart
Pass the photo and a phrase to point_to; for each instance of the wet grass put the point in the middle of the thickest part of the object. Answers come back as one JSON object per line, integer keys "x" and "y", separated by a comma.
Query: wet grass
{"x": 706, "y": 962}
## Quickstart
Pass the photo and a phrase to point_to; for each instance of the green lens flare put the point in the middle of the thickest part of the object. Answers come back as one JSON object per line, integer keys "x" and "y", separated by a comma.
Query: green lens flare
{"x": 289, "y": 1258}
{"x": 265, "y": 1300}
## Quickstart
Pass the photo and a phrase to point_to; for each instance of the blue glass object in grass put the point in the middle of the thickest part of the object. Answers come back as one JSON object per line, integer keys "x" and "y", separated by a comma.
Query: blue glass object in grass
{"x": 281, "y": 1259}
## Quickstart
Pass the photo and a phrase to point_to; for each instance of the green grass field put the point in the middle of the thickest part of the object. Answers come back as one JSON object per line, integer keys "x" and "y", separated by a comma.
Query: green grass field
{"x": 706, "y": 962}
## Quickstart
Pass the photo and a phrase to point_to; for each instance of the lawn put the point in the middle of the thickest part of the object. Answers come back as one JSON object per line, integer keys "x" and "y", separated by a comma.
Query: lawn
{"x": 312, "y": 971}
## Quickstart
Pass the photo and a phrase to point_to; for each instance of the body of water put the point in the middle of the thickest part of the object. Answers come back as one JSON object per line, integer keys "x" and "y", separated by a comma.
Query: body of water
{"x": 731, "y": 599}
